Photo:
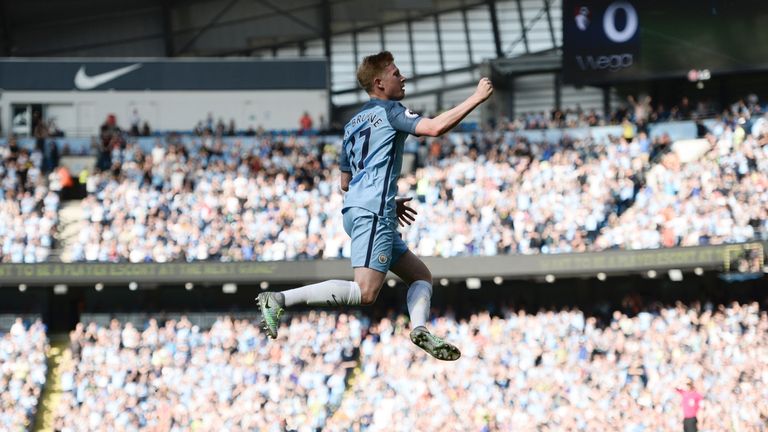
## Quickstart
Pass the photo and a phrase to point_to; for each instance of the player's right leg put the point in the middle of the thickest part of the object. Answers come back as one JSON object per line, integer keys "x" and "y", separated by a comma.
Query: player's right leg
{"x": 372, "y": 238}
{"x": 363, "y": 290}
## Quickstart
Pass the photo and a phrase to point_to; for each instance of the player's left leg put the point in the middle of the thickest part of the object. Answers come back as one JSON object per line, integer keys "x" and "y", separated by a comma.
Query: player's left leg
{"x": 417, "y": 276}
{"x": 415, "y": 273}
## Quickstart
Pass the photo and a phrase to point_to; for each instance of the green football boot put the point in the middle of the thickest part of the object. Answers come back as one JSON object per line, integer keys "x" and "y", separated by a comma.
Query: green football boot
{"x": 435, "y": 346}
{"x": 271, "y": 310}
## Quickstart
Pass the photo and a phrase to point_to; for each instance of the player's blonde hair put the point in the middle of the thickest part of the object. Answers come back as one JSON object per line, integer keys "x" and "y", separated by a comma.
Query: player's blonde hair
{"x": 372, "y": 67}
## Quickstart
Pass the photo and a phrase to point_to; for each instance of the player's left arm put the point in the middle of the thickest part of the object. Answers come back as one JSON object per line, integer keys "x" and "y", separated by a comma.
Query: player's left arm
{"x": 405, "y": 214}
{"x": 403, "y": 120}
{"x": 346, "y": 177}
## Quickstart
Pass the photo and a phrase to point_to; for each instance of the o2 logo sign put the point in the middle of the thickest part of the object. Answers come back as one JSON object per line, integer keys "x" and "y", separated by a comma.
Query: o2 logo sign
{"x": 582, "y": 17}
{"x": 609, "y": 22}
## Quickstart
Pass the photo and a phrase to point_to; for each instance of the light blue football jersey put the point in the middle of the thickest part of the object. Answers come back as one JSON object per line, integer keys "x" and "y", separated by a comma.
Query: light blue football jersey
{"x": 372, "y": 151}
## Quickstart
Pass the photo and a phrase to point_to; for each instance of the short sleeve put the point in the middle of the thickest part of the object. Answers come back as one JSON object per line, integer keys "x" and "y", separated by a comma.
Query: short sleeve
{"x": 344, "y": 159}
{"x": 402, "y": 119}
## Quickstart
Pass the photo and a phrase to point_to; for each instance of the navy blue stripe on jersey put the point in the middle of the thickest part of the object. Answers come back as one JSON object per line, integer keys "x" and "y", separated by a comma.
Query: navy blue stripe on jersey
{"x": 370, "y": 240}
{"x": 391, "y": 162}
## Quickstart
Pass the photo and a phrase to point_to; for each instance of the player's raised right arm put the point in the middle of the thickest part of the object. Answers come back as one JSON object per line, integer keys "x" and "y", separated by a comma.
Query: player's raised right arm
{"x": 449, "y": 119}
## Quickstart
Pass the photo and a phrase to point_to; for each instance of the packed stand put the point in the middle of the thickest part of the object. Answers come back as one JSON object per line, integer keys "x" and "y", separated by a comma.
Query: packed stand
{"x": 500, "y": 195}
{"x": 556, "y": 118}
{"x": 640, "y": 110}
{"x": 28, "y": 205}
{"x": 268, "y": 198}
{"x": 721, "y": 197}
{"x": 175, "y": 376}
{"x": 258, "y": 199}
{"x": 562, "y": 370}
{"x": 22, "y": 374}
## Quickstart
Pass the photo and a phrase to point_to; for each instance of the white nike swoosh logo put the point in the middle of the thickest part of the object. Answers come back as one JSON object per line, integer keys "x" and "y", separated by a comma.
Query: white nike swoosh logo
{"x": 85, "y": 82}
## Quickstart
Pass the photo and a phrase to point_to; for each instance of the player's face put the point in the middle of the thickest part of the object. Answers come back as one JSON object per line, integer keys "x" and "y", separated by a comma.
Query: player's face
{"x": 393, "y": 83}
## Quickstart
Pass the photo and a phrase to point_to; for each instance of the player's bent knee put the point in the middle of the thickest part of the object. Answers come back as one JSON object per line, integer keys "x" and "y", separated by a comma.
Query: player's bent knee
{"x": 422, "y": 275}
{"x": 368, "y": 292}
{"x": 426, "y": 276}
{"x": 370, "y": 282}
{"x": 368, "y": 295}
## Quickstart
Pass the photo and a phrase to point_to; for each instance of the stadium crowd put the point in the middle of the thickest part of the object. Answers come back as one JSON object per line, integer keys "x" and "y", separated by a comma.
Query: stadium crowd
{"x": 493, "y": 192}
{"x": 494, "y": 195}
{"x": 721, "y": 197}
{"x": 28, "y": 206}
{"x": 257, "y": 199}
{"x": 549, "y": 370}
{"x": 268, "y": 197}
{"x": 22, "y": 374}
{"x": 640, "y": 110}
{"x": 561, "y": 370}
{"x": 175, "y": 376}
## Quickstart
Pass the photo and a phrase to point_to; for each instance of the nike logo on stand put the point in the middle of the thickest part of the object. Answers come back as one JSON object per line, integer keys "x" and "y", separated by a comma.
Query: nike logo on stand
{"x": 85, "y": 82}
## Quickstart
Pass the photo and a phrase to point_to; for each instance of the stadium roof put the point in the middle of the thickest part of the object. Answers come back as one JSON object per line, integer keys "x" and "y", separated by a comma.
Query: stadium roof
{"x": 437, "y": 44}
{"x": 196, "y": 27}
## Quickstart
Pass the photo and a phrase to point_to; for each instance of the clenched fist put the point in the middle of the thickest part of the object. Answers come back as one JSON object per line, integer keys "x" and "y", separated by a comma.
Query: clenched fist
{"x": 484, "y": 89}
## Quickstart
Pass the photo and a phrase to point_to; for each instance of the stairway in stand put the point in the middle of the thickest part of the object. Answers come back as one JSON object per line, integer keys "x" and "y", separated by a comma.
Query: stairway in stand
{"x": 58, "y": 356}
{"x": 70, "y": 224}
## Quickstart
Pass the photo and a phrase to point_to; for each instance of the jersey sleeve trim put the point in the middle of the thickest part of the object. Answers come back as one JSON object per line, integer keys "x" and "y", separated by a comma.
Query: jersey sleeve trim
{"x": 402, "y": 119}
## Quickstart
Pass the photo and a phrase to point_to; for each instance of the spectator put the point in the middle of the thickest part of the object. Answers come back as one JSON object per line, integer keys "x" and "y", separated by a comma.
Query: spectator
{"x": 231, "y": 130}
{"x": 39, "y": 130}
{"x": 135, "y": 123}
{"x": 305, "y": 123}
{"x": 145, "y": 130}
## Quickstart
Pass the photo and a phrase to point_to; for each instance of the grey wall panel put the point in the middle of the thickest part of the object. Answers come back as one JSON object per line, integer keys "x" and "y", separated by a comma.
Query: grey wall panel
{"x": 454, "y": 40}
{"x": 534, "y": 93}
{"x": 425, "y": 46}
{"x": 539, "y": 38}
{"x": 587, "y": 98}
{"x": 481, "y": 34}
{"x": 510, "y": 28}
